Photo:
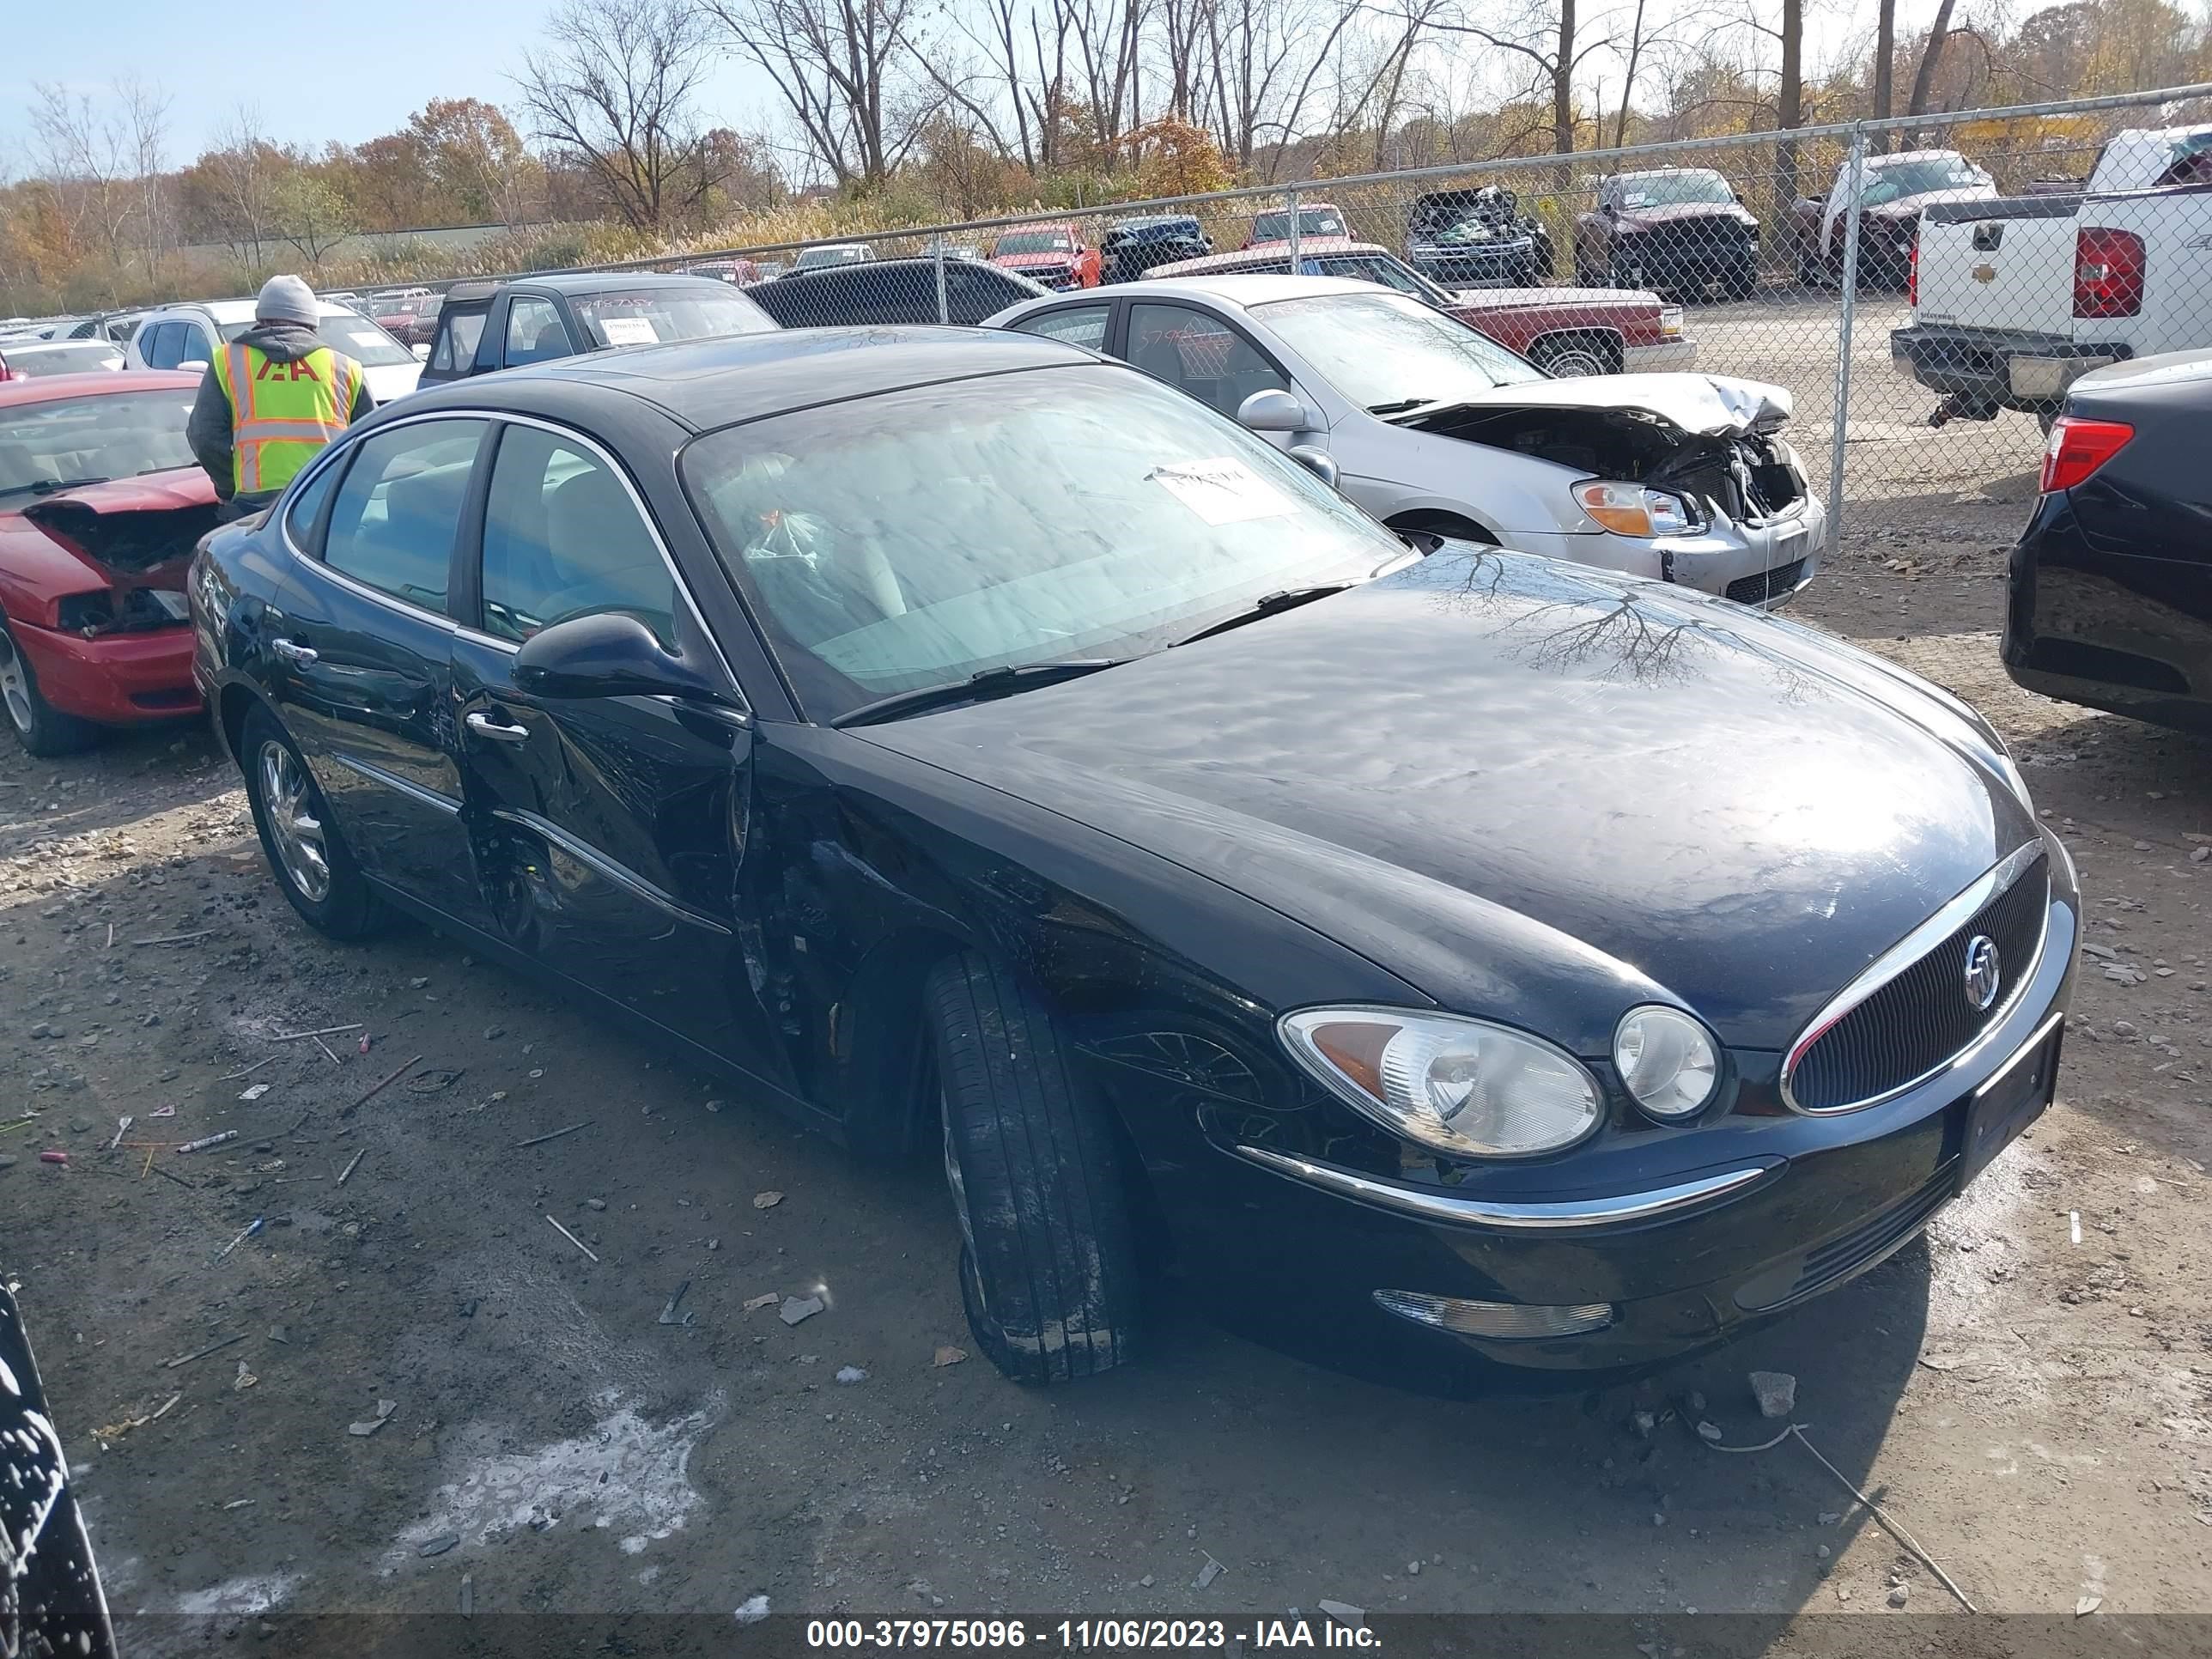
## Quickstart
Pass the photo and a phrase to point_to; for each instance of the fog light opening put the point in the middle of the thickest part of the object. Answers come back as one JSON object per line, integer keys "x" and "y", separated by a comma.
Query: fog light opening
{"x": 1506, "y": 1322}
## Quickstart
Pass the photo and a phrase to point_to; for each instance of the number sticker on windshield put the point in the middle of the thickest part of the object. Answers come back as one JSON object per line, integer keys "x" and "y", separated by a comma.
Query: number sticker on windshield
{"x": 628, "y": 330}
{"x": 1222, "y": 490}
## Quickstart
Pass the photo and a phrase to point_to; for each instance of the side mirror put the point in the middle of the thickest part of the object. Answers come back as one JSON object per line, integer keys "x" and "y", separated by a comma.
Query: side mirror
{"x": 1273, "y": 411}
{"x": 607, "y": 655}
{"x": 1317, "y": 461}
{"x": 194, "y": 366}
{"x": 421, "y": 353}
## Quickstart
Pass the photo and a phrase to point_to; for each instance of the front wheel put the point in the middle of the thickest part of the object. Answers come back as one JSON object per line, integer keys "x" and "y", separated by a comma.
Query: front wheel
{"x": 41, "y": 728}
{"x": 305, "y": 853}
{"x": 1048, "y": 1261}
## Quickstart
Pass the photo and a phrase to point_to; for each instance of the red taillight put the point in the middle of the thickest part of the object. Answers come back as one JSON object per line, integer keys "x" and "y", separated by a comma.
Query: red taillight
{"x": 2078, "y": 448}
{"x": 1912, "y": 276}
{"x": 2108, "y": 273}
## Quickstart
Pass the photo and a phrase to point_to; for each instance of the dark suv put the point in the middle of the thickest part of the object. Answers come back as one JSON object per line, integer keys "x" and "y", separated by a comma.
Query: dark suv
{"x": 484, "y": 326}
{"x": 882, "y": 292}
{"x": 1134, "y": 247}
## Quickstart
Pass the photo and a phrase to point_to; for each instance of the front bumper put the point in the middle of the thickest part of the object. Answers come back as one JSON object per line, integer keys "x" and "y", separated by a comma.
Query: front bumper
{"x": 1781, "y": 1209}
{"x": 117, "y": 679}
{"x": 1762, "y": 565}
{"x": 1661, "y": 355}
{"x": 1985, "y": 369}
{"x": 1488, "y": 265}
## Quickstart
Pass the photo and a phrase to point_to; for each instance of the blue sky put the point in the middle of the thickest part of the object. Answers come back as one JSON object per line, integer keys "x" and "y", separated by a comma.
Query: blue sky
{"x": 358, "y": 71}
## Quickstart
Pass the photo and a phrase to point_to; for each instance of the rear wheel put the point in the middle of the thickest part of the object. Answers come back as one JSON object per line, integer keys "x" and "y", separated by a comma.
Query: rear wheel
{"x": 1742, "y": 280}
{"x": 41, "y": 728}
{"x": 1048, "y": 1264}
{"x": 1573, "y": 355}
{"x": 310, "y": 863}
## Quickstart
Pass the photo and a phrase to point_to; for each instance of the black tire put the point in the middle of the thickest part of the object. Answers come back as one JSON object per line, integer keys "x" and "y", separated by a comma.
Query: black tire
{"x": 347, "y": 908}
{"x": 1742, "y": 280}
{"x": 41, "y": 728}
{"x": 1048, "y": 1267}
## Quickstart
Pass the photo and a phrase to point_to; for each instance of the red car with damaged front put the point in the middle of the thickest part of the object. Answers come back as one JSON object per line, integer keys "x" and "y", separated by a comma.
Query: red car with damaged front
{"x": 101, "y": 506}
{"x": 1563, "y": 330}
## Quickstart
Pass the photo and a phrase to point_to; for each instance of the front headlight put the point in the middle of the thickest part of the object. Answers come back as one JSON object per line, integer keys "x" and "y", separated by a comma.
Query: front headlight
{"x": 1668, "y": 1061}
{"x": 1454, "y": 1085}
{"x": 1628, "y": 509}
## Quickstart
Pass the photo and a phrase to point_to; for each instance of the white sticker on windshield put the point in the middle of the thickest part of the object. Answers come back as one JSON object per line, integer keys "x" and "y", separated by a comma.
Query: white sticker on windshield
{"x": 1222, "y": 490}
{"x": 361, "y": 337}
{"x": 628, "y": 330}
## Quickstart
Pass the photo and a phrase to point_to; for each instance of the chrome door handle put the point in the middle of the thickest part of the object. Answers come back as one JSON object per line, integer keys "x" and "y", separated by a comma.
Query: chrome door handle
{"x": 297, "y": 654}
{"x": 485, "y": 726}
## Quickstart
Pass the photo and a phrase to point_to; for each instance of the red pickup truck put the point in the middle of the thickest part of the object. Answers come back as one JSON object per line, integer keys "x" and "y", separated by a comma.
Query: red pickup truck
{"x": 1054, "y": 255}
{"x": 1567, "y": 331}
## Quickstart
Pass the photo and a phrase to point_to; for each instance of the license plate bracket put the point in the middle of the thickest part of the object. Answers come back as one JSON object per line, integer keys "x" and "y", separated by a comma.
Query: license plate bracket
{"x": 1999, "y": 1111}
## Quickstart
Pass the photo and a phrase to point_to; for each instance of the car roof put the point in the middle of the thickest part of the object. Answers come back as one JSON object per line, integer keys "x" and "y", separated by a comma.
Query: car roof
{"x": 48, "y": 388}
{"x": 716, "y": 382}
{"x": 1896, "y": 156}
{"x": 1243, "y": 290}
{"x": 1275, "y": 248}
{"x": 1663, "y": 172}
{"x": 241, "y": 311}
{"x": 595, "y": 281}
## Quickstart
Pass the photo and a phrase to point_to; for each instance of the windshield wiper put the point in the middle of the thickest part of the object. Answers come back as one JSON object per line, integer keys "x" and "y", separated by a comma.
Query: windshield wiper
{"x": 48, "y": 486}
{"x": 977, "y": 687}
{"x": 1400, "y": 406}
{"x": 1269, "y": 605}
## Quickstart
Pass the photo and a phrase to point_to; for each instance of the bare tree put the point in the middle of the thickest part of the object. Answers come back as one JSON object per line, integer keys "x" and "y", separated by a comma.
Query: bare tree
{"x": 616, "y": 89}
{"x": 244, "y": 167}
{"x": 846, "y": 69}
{"x": 1931, "y": 59}
{"x": 146, "y": 141}
{"x": 1552, "y": 43}
{"x": 84, "y": 154}
{"x": 1884, "y": 66}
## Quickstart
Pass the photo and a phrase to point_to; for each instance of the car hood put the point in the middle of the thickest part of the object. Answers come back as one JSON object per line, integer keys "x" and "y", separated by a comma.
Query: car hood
{"x": 131, "y": 532}
{"x": 1524, "y": 786}
{"x": 388, "y": 381}
{"x": 1713, "y": 405}
{"x": 1674, "y": 213}
{"x": 1905, "y": 207}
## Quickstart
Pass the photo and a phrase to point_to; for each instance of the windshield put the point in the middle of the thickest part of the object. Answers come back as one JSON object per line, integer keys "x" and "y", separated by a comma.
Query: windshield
{"x": 647, "y": 316}
{"x": 361, "y": 340}
{"x": 84, "y": 358}
{"x": 829, "y": 256}
{"x": 1672, "y": 189}
{"x": 1312, "y": 222}
{"x": 1377, "y": 268}
{"x": 1386, "y": 352}
{"x": 1032, "y": 241}
{"x": 1930, "y": 172}
{"x": 115, "y": 436}
{"x": 918, "y": 536}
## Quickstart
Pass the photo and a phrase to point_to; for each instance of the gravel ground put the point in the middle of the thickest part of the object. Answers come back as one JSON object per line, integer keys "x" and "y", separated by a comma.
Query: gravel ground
{"x": 434, "y": 1386}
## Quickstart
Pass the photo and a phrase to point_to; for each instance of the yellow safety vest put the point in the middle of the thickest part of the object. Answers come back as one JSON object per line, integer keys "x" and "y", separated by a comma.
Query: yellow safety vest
{"x": 283, "y": 414}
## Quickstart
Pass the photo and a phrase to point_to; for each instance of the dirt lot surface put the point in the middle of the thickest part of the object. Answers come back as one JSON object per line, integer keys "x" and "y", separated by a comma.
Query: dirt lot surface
{"x": 2033, "y": 1406}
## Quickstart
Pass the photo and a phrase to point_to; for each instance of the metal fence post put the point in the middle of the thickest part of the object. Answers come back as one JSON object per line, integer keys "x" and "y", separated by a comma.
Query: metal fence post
{"x": 944, "y": 310}
{"x": 1848, "y": 282}
{"x": 1290, "y": 203}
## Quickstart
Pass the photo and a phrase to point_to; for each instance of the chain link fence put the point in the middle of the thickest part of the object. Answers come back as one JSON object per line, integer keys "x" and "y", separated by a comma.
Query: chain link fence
{"x": 1924, "y": 289}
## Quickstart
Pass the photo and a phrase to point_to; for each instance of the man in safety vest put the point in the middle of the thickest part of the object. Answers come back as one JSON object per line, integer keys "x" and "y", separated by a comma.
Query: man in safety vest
{"x": 272, "y": 398}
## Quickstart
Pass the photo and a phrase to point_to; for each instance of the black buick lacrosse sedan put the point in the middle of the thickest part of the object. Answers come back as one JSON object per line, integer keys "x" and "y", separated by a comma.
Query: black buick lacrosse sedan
{"x": 1456, "y": 966}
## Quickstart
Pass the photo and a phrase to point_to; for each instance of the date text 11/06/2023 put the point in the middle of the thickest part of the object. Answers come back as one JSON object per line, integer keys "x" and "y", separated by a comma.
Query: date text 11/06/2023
{"x": 1089, "y": 1635}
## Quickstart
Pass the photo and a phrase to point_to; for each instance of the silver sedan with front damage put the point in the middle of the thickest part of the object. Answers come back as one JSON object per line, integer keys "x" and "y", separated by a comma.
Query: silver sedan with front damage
{"x": 1434, "y": 429}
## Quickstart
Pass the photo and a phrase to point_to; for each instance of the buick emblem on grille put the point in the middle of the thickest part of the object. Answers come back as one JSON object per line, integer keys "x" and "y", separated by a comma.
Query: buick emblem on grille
{"x": 1984, "y": 970}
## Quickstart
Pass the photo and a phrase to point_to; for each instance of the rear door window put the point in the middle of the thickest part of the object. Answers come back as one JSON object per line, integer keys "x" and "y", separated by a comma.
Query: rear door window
{"x": 195, "y": 348}
{"x": 458, "y": 334}
{"x": 161, "y": 349}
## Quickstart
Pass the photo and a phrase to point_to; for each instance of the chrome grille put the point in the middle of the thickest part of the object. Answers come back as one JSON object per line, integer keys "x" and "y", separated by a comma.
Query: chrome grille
{"x": 1919, "y": 1017}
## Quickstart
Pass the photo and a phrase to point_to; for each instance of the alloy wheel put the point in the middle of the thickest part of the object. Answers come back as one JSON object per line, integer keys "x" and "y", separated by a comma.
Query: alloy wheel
{"x": 14, "y": 684}
{"x": 293, "y": 825}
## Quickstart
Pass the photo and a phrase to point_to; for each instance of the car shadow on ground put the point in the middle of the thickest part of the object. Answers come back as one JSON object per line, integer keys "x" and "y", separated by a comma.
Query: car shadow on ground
{"x": 108, "y": 787}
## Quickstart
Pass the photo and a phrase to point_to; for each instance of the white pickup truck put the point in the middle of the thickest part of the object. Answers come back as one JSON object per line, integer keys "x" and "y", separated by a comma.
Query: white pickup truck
{"x": 2014, "y": 299}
